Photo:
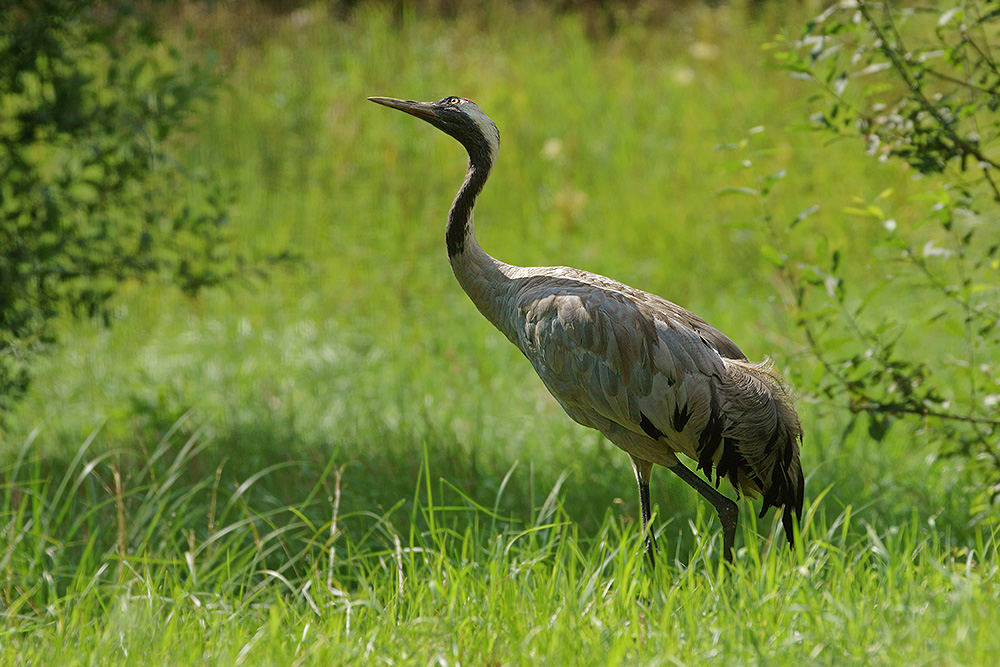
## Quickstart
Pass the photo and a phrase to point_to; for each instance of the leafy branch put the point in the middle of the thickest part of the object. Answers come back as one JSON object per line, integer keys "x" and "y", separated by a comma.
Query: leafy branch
{"x": 91, "y": 104}
{"x": 919, "y": 87}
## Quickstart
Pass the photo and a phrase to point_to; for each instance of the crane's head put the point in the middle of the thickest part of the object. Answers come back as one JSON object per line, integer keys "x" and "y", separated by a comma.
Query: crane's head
{"x": 459, "y": 117}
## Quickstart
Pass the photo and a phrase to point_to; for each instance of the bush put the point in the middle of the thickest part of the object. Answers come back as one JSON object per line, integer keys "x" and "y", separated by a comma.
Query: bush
{"x": 90, "y": 197}
{"x": 920, "y": 87}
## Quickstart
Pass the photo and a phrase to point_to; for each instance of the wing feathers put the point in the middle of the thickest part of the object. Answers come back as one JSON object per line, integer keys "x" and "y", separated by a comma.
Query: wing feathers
{"x": 659, "y": 372}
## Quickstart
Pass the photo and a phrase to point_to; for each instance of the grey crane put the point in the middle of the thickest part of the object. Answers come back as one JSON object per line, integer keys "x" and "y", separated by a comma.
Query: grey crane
{"x": 655, "y": 379}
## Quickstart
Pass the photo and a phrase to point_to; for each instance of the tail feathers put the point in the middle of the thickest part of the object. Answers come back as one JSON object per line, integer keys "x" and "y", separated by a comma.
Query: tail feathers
{"x": 766, "y": 429}
{"x": 795, "y": 506}
{"x": 786, "y": 489}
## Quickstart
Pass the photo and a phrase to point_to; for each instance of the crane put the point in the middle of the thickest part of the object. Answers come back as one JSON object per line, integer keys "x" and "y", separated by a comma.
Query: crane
{"x": 654, "y": 378}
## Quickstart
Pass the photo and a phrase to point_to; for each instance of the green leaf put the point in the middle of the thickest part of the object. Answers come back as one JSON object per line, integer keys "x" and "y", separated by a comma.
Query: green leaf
{"x": 772, "y": 255}
{"x": 855, "y": 211}
{"x": 738, "y": 191}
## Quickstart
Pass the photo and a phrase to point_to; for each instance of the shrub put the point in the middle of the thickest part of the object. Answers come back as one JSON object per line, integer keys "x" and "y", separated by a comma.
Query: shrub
{"x": 920, "y": 87}
{"x": 90, "y": 196}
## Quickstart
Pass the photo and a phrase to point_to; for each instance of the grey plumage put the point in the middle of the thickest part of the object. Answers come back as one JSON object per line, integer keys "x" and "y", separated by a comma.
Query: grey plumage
{"x": 654, "y": 378}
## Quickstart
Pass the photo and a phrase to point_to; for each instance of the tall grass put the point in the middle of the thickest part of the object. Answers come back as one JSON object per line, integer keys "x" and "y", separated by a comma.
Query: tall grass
{"x": 345, "y": 463}
{"x": 160, "y": 571}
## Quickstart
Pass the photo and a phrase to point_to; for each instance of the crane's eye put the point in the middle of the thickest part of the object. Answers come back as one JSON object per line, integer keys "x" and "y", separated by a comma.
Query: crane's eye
{"x": 455, "y": 100}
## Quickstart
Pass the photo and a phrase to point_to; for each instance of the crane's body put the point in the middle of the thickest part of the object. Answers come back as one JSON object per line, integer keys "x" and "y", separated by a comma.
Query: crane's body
{"x": 654, "y": 378}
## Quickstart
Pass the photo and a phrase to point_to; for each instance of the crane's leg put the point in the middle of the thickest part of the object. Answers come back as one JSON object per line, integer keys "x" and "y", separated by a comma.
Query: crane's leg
{"x": 643, "y": 470}
{"x": 727, "y": 509}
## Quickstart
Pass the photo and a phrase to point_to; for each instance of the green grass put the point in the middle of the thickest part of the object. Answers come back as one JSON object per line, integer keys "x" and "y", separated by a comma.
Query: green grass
{"x": 346, "y": 464}
{"x": 161, "y": 572}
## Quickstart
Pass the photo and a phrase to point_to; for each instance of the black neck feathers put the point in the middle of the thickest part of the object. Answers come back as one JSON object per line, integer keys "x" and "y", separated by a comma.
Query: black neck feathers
{"x": 460, "y": 216}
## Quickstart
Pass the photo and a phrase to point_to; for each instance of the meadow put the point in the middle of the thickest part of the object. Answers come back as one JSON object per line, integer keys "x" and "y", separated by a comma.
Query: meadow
{"x": 344, "y": 463}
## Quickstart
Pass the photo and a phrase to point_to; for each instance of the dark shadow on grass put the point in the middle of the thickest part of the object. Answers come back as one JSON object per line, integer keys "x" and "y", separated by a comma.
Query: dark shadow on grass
{"x": 179, "y": 489}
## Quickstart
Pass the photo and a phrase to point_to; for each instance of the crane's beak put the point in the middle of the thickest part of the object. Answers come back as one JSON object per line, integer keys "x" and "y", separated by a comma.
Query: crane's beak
{"x": 424, "y": 110}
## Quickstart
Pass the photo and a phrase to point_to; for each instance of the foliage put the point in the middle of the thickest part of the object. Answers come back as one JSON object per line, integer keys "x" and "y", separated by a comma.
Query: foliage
{"x": 90, "y": 195}
{"x": 920, "y": 87}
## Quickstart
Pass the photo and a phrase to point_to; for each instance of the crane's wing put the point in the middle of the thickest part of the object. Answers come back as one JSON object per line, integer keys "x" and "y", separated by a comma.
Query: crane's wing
{"x": 640, "y": 371}
{"x": 656, "y": 306}
{"x": 604, "y": 354}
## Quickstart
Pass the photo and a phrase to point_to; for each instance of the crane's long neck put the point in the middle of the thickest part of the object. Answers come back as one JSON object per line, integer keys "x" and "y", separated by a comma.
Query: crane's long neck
{"x": 487, "y": 281}
{"x": 461, "y": 228}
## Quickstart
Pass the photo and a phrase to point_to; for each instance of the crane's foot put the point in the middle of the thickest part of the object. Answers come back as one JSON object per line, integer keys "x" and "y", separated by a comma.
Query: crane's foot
{"x": 729, "y": 512}
{"x": 651, "y": 548}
